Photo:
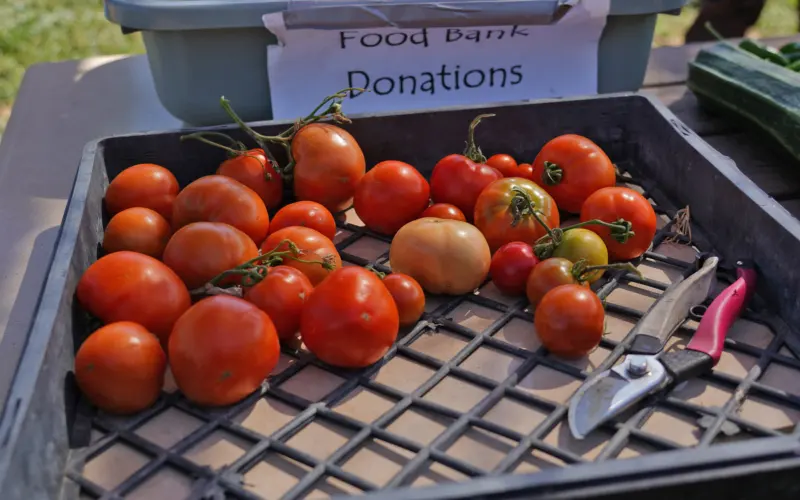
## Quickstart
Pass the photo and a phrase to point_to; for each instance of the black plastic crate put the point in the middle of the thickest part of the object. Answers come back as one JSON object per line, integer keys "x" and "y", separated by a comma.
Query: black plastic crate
{"x": 50, "y": 436}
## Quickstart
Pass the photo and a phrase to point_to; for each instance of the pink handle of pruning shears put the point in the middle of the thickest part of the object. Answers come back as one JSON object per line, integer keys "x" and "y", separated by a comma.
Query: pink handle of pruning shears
{"x": 720, "y": 315}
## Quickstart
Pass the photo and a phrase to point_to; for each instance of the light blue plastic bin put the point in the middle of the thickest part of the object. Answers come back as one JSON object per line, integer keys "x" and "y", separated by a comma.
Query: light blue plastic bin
{"x": 199, "y": 50}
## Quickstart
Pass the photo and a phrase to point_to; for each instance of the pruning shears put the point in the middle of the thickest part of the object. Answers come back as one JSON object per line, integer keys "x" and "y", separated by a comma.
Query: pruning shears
{"x": 645, "y": 370}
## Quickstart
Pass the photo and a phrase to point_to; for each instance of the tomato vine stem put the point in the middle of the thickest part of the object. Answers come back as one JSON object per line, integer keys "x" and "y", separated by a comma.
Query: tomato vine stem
{"x": 473, "y": 151}
{"x": 552, "y": 173}
{"x": 581, "y": 271}
{"x": 232, "y": 153}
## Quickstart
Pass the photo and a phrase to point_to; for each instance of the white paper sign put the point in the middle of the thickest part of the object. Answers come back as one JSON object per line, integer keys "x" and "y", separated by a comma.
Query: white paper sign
{"x": 407, "y": 69}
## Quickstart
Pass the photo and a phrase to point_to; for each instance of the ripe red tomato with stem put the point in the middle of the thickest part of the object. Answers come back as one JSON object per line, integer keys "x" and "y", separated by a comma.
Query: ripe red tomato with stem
{"x": 444, "y": 211}
{"x": 314, "y": 249}
{"x": 307, "y": 214}
{"x": 351, "y": 319}
{"x": 130, "y": 286}
{"x": 458, "y": 179}
{"x": 511, "y": 265}
{"x": 390, "y": 195}
{"x": 514, "y": 209}
{"x": 282, "y": 294}
{"x": 571, "y": 167}
{"x": 557, "y": 271}
{"x": 570, "y": 321}
{"x": 325, "y": 161}
{"x": 611, "y": 205}
{"x": 137, "y": 229}
{"x": 144, "y": 185}
{"x": 222, "y": 349}
{"x": 200, "y": 251}
{"x": 217, "y": 198}
{"x": 120, "y": 368}
{"x": 408, "y": 297}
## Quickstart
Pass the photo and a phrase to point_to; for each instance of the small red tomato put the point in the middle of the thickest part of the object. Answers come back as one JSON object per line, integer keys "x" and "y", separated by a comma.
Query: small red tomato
{"x": 253, "y": 169}
{"x": 459, "y": 181}
{"x": 548, "y": 274}
{"x": 137, "y": 229}
{"x": 408, "y": 296}
{"x": 511, "y": 265}
{"x": 570, "y": 321}
{"x": 526, "y": 171}
{"x": 307, "y": 214}
{"x": 144, "y": 185}
{"x": 120, "y": 368}
{"x": 390, "y": 195}
{"x": 350, "y": 320}
{"x": 614, "y": 203}
{"x": 199, "y": 251}
{"x": 282, "y": 295}
{"x": 571, "y": 168}
{"x": 505, "y": 164}
{"x": 444, "y": 211}
{"x": 221, "y": 350}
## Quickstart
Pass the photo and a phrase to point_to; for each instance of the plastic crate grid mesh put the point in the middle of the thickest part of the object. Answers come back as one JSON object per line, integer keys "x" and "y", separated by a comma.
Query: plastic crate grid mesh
{"x": 468, "y": 392}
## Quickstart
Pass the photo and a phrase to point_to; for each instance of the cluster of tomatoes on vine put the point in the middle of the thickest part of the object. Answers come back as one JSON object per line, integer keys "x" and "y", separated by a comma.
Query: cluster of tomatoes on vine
{"x": 202, "y": 278}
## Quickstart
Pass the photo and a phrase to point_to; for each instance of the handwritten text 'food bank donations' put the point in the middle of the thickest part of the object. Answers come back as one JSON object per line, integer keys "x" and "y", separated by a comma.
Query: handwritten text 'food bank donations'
{"x": 438, "y": 77}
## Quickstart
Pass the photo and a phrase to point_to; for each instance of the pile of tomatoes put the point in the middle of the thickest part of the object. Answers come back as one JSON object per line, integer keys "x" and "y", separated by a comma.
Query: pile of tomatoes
{"x": 212, "y": 278}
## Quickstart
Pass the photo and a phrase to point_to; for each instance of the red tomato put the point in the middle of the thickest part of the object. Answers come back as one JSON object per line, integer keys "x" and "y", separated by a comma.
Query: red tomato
{"x": 350, "y": 320}
{"x": 144, "y": 185}
{"x": 505, "y": 164}
{"x": 570, "y": 168}
{"x": 282, "y": 295}
{"x": 390, "y": 195}
{"x": 570, "y": 321}
{"x": 222, "y": 349}
{"x": 200, "y": 251}
{"x": 120, "y": 368}
{"x": 253, "y": 169}
{"x": 130, "y": 286}
{"x": 511, "y": 266}
{"x": 305, "y": 213}
{"x": 313, "y": 246}
{"x": 458, "y": 180}
{"x": 444, "y": 211}
{"x": 495, "y": 212}
{"x": 217, "y": 198}
{"x": 614, "y": 203}
{"x": 137, "y": 229}
{"x": 547, "y": 275}
{"x": 408, "y": 297}
{"x": 328, "y": 165}
{"x": 525, "y": 171}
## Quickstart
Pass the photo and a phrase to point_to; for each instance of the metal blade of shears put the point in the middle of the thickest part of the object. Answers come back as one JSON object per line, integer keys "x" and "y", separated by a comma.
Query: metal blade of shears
{"x": 611, "y": 392}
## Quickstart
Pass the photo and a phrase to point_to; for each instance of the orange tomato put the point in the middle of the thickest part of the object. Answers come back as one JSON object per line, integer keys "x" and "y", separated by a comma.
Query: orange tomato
{"x": 200, "y": 251}
{"x": 137, "y": 229}
{"x": 144, "y": 185}
{"x": 221, "y": 350}
{"x": 217, "y": 198}
{"x": 495, "y": 212}
{"x": 313, "y": 247}
{"x": 120, "y": 368}
{"x": 328, "y": 165}
{"x": 253, "y": 169}
{"x": 305, "y": 213}
{"x": 130, "y": 286}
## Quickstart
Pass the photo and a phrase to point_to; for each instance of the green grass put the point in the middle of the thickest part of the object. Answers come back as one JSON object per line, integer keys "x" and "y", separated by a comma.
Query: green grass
{"x": 33, "y": 31}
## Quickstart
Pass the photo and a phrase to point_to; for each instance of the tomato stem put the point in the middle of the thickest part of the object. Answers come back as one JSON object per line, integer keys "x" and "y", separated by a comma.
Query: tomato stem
{"x": 582, "y": 272}
{"x": 472, "y": 151}
{"x": 621, "y": 229}
{"x": 552, "y": 173}
{"x": 370, "y": 267}
{"x": 232, "y": 153}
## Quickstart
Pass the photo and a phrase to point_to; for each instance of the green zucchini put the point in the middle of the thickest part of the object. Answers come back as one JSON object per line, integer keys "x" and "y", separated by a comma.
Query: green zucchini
{"x": 726, "y": 78}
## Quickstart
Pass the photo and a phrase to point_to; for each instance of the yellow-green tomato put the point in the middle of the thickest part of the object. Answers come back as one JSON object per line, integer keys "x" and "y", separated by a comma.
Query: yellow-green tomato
{"x": 580, "y": 243}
